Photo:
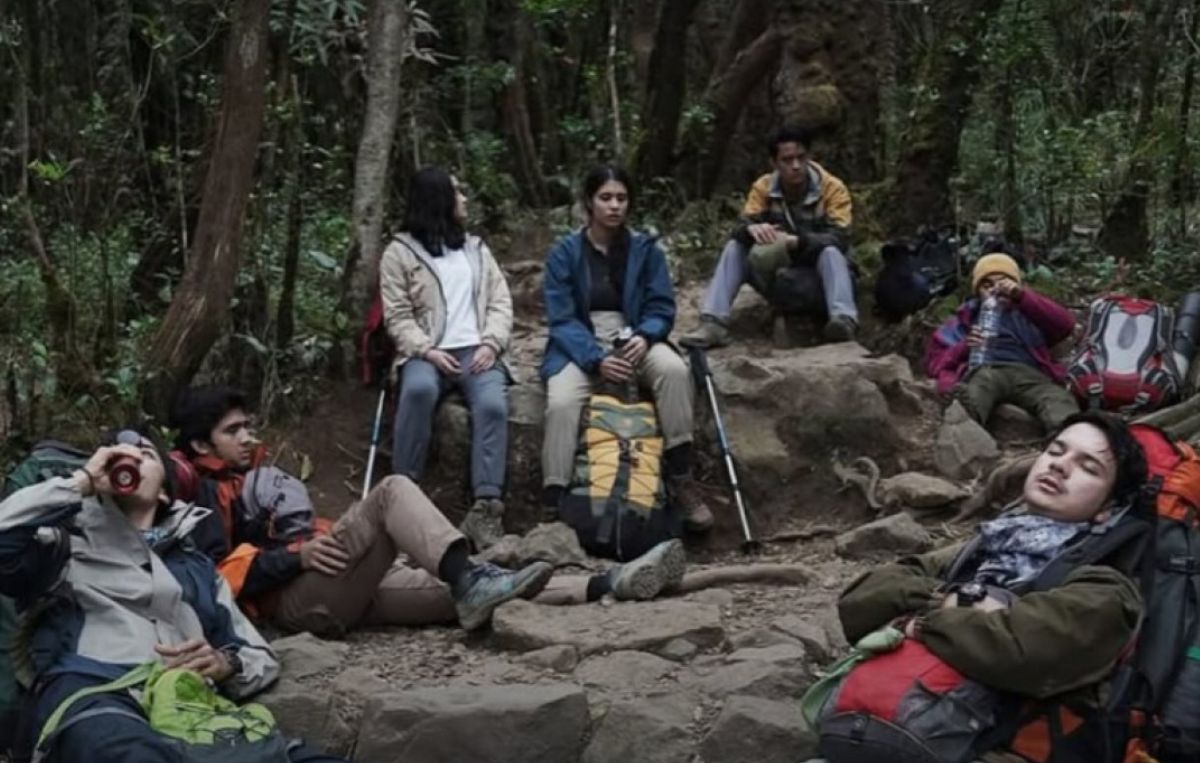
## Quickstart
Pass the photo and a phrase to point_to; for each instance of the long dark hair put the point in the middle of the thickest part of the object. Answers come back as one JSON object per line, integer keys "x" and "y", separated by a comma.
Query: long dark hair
{"x": 429, "y": 213}
{"x": 601, "y": 175}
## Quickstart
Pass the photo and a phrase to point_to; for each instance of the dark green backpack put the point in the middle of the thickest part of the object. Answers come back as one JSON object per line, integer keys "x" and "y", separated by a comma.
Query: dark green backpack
{"x": 48, "y": 459}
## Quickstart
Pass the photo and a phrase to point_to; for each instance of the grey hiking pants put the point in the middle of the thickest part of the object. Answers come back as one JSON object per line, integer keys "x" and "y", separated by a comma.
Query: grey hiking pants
{"x": 733, "y": 270}
{"x": 421, "y": 387}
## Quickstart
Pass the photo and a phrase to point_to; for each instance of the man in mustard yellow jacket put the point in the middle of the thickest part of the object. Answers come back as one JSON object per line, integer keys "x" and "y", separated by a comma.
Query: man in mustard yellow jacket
{"x": 802, "y": 211}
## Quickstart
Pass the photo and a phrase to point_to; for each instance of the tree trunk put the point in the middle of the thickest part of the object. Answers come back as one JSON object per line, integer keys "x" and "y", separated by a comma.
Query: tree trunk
{"x": 645, "y": 21}
{"x": 727, "y": 94}
{"x": 285, "y": 321}
{"x": 833, "y": 65}
{"x": 666, "y": 85}
{"x": 387, "y": 23}
{"x": 1183, "y": 190}
{"x": 929, "y": 154}
{"x": 1006, "y": 146}
{"x": 1126, "y": 229}
{"x": 200, "y": 307}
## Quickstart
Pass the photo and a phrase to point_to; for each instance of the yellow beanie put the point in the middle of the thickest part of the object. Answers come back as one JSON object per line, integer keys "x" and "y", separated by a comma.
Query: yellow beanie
{"x": 995, "y": 264}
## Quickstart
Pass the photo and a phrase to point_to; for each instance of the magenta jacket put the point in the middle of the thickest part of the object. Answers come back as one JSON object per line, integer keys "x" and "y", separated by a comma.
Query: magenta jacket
{"x": 1048, "y": 324}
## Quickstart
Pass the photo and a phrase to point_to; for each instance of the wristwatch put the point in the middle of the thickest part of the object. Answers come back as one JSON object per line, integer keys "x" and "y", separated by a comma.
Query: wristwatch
{"x": 234, "y": 659}
{"x": 970, "y": 594}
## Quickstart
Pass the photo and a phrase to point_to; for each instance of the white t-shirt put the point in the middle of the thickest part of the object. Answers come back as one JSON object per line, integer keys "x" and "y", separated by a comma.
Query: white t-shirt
{"x": 462, "y": 327}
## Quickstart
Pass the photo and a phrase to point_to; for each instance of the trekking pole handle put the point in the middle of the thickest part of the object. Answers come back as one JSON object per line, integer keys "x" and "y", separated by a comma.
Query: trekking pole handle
{"x": 700, "y": 370}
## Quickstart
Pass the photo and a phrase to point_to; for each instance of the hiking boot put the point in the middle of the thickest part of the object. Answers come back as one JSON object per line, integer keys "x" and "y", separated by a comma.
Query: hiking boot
{"x": 710, "y": 333}
{"x": 839, "y": 329}
{"x": 659, "y": 569}
{"x": 484, "y": 587}
{"x": 483, "y": 525}
{"x": 689, "y": 497}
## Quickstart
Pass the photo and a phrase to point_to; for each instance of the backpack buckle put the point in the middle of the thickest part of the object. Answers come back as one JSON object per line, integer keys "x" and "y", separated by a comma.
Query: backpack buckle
{"x": 1188, "y": 565}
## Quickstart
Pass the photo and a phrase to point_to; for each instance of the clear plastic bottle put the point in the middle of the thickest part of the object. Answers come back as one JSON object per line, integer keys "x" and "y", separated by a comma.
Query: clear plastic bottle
{"x": 988, "y": 322}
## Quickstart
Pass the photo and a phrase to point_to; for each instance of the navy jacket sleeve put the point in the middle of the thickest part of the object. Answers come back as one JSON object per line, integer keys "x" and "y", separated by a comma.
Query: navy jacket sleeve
{"x": 31, "y": 559}
{"x": 567, "y": 331}
{"x": 658, "y": 301}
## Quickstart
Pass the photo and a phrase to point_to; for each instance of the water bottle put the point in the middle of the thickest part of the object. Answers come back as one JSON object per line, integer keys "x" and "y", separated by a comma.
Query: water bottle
{"x": 628, "y": 392}
{"x": 989, "y": 325}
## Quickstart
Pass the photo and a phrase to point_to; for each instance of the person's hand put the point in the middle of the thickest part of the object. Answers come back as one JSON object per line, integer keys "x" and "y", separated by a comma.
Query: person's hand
{"x": 975, "y": 337}
{"x": 483, "y": 359}
{"x": 794, "y": 242}
{"x": 910, "y": 627}
{"x": 763, "y": 233}
{"x": 197, "y": 655}
{"x": 444, "y": 362}
{"x": 1008, "y": 288}
{"x": 614, "y": 368}
{"x": 635, "y": 349}
{"x": 325, "y": 554}
{"x": 92, "y": 478}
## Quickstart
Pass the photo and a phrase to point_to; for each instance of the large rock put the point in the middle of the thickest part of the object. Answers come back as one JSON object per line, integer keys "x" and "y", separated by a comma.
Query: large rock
{"x": 624, "y": 672}
{"x": 884, "y": 538}
{"x": 755, "y": 678}
{"x": 646, "y": 626}
{"x": 814, "y": 637}
{"x": 756, "y": 730}
{"x": 646, "y": 730}
{"x": 963, "y": 448}
{"x": 499, "y": 724}
{"x": 304, "y": 655}
{"x": 552, "y": 542}
{"x": 327, "y": 719}
{"x": 919, "y": 491}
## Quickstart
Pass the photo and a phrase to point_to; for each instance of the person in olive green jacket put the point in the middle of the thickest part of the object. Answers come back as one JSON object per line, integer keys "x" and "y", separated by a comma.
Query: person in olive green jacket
{"x": 1053, "y": 642}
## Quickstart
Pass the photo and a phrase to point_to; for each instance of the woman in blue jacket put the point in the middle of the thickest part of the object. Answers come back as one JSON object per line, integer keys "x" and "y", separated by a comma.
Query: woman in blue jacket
{"x": 599, "y": 280}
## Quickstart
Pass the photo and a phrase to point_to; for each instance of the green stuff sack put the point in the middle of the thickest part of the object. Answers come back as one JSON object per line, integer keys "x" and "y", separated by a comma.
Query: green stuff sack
{"x": 48, "y": 459}
{"x": 181, "y": 705}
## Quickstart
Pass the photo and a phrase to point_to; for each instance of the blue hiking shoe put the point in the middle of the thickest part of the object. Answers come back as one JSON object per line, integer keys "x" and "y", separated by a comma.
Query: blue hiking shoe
{"x": 484, "y": 587}
{"x": 659, "y": 569}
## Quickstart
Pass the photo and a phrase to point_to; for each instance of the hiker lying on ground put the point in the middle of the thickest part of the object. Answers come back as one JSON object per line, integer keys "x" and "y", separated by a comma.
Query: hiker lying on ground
{"x": 798, "y": 212}
{"x": 448, "y": 311}
{"x": 121, "y": 584}
{"x": 971, "y": 605}
{"x": 1012, "y": 366}
{"x": 598, "y": 281}
{"x": 302, "y": 575}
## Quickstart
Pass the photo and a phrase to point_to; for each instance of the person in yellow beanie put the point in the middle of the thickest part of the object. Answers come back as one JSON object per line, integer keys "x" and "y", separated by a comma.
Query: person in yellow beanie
{"x": 1015, "y": 365}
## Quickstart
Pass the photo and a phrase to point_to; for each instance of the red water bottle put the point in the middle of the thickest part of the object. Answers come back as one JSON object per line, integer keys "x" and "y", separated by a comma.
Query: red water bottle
{"x": 124, "y": 475}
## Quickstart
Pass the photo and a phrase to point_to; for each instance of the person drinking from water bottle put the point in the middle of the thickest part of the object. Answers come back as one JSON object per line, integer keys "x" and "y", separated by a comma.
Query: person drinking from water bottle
{"x": 996, "y": 348}
{"x": 597, "y": 281}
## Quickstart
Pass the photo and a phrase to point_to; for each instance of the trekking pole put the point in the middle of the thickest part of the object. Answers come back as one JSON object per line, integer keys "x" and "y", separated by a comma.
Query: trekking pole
{"x": 374, "y": 439}
{"x": 703, "y": 376}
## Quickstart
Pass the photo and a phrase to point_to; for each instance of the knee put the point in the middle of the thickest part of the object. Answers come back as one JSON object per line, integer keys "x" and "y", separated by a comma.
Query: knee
{"x": 831, "y": 256}
{"x": 673, "y": 371}
{"x": 397, "y": 487}
{"x": 417, "y": 392}
{"x": 491, "y": 407}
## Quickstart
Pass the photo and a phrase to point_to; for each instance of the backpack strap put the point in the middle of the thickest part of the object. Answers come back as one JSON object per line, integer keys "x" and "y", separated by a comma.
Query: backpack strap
{"x": 1123, "y": 533}
{"x": 54, "y": 724}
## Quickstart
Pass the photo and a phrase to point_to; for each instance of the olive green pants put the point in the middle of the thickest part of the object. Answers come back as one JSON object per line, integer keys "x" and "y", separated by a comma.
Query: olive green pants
{"x": 1016, "y": 383}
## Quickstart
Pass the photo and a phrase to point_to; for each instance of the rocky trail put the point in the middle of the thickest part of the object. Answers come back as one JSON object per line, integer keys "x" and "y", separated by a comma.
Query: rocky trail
{"x": 710, "y": 676}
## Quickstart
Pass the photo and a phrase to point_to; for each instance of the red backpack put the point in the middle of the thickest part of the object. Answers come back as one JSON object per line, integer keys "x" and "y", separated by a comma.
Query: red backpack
{"x": 1124, "y": 361}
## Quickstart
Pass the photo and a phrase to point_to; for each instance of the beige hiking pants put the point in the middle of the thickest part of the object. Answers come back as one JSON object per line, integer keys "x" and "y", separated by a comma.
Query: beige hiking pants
{"x": 396, "y": 518}
{"x": 663, "y": 371}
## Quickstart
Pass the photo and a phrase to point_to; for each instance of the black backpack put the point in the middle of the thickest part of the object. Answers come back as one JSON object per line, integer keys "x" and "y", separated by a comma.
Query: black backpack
{"x": 915, "y": 271}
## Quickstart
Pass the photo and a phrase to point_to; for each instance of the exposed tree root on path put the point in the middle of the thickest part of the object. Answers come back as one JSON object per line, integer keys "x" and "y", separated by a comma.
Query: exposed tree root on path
{"x": 768, "y": 574}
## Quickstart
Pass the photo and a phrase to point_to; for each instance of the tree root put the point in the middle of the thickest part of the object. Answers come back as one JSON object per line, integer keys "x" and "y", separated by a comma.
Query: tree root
{"x": 767, "y": 574}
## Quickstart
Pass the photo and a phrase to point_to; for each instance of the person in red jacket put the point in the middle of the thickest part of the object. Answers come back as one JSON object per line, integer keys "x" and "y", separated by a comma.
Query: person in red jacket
{"x": 1017, "y": 366}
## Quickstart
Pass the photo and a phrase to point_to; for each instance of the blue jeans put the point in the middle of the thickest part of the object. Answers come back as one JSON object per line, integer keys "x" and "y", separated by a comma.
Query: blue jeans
{"x": 421, "y": 387}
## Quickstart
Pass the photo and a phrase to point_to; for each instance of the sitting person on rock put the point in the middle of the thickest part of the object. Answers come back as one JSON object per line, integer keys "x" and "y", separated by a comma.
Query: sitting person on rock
{"x": 448, "y": 311}
{"x": 983, "y": 607}
{"x": 1014, "y": 365}
{"x": 302, "y": 575}
{"x": 799, "y": 210}
{"x": 117, "y": 582}
{"x": 598, "y": 281}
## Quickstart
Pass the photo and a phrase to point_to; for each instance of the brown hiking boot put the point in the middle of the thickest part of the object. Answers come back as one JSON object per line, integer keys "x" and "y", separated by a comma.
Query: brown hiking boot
{"x": 690, "y": 498}
{"x": 484, "y": 525}
{"x": 710, "y": 333}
